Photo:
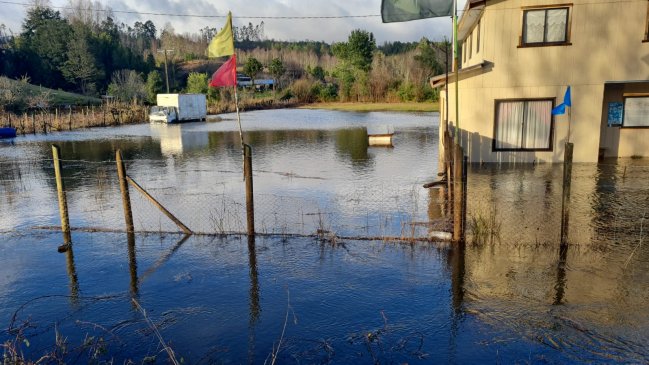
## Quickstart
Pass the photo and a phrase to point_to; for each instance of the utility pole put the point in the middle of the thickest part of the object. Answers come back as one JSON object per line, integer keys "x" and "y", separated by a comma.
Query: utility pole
{"x": 166, "y": 71}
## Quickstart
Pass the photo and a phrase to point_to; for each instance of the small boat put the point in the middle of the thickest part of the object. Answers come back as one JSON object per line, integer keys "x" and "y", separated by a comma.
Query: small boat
{"x": 7, "y": 132}
{"x": 381, "y": 136}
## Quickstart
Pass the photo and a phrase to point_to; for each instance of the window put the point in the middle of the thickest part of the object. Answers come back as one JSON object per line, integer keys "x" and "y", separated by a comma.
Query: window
{"x": 523, "y": 125}
{"x": 477, "y": 39}
{"x": 464, "y": 52}
{"x": 636, "y": 112}
{"x": 545, "y": 26}
{"x": 470, "y": 45}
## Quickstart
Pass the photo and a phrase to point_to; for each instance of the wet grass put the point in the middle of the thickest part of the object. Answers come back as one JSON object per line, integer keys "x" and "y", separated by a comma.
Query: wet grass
{"x": 374, "y": 107}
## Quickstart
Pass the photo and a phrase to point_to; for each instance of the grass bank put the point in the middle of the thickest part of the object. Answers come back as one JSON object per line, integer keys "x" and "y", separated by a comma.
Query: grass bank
{"x": 376, "y": 107}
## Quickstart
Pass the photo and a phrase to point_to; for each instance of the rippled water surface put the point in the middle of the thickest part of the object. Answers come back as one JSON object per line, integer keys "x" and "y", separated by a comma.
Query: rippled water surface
{"x": 512, "y": 296}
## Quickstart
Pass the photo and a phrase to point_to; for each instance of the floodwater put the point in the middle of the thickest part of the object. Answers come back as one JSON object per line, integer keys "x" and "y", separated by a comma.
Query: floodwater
{"x": 512, "y": 297}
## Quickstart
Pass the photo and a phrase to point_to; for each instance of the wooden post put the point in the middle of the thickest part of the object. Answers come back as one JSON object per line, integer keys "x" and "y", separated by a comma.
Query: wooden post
{"x": 565, "y": 200}
{"x": 465, "y": 175}
{"x": 70, "y": 119}
{"x": 157, "y": 204}
{"x": 60, "y": 189}
{"x": 457, "y": 193}
{"x": 33, "y": 123}
{"x": 56, "y": 118}
{"x": 123, "y": 187}
{"x": 247, "y": 171}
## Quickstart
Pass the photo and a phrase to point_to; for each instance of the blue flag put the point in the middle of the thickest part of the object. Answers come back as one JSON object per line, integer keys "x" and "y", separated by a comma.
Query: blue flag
{"x": 561, "y": 108}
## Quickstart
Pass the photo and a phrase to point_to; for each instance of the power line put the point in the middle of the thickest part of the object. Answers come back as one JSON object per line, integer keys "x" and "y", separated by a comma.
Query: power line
{"x": 203, "y": 16}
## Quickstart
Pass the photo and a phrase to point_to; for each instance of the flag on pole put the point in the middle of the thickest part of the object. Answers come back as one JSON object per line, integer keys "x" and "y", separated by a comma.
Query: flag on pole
{"x": 567, "y": 102}
{"x": 406, "y": 10}
{"x": 226, "y": 75}
{"x": 223, "y": 43}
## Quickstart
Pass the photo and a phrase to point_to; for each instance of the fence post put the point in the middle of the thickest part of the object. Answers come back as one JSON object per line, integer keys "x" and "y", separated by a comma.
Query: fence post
{"x": 247, "y": 171}
{"x": 33, "y": 123}
{"x": 70, "y": 118}
{"x": 465, "y": 179}
{"x": 60, "y": 189}
{"x": 123, "y": 187}
{"x": 457, "y": 193}
{"x": 565, "y": 200}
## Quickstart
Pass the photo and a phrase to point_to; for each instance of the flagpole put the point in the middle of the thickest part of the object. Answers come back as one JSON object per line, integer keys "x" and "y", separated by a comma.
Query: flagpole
{"x": 569, "y": 121}
{"x": 236, "y": 105}
{"x": 457, "y": 73}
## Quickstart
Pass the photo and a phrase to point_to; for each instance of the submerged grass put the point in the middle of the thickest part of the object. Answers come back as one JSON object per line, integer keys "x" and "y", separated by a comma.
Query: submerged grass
{"x": 375, "y": 107}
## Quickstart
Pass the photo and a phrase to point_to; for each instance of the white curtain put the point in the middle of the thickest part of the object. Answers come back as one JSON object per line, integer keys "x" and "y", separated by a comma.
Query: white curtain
{"x": 536, "y": 129}
{"x": 556, "y": 24}
{"x": 524, "y": 124}
{"x": 534, "y": 26}
{"x": 509, "y": 123}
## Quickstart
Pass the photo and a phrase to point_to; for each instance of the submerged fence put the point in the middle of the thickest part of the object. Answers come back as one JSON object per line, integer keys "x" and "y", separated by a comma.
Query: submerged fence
{"x": 96, "y": 201}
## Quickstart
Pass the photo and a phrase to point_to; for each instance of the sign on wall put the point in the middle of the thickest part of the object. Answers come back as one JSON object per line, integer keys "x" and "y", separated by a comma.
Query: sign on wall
{"x": 615, "y": 113}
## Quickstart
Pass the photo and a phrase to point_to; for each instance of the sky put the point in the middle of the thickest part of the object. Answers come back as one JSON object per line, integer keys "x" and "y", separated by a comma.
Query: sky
{"x": 328, "y": 30}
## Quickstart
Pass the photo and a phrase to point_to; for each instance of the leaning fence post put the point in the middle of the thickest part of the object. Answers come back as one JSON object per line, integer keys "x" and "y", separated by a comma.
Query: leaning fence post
{"x": 60, "y": 189}
{"x": 123, "y": 187}
{"x": 457, "y": 193}
{"x": 565, "y": 200}
{"x": 247, "y": 171}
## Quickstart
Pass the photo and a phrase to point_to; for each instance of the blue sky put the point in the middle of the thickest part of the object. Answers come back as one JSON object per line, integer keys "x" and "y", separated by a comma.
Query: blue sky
{"x": 329, "y": 30}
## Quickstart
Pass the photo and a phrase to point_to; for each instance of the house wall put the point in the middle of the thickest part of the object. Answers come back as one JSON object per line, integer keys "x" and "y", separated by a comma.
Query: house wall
{"x": 620, "y": 141}
{"x": 606, "y": 44}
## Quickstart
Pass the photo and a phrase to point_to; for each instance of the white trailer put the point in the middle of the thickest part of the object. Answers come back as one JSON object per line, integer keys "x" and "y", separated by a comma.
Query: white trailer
{"x": 173, "y": 108}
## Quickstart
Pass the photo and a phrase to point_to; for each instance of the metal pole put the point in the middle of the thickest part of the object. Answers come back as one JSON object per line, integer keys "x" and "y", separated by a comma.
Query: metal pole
{"x": 60, "y": 189}
{"x": 123, "y": 187}
{"x": 247, "y": 170}
{"x": 457, "y": 193}
{"x": 457, "y": 74}
{"x": 565, "y": 201}
{"x": 236, "y": 105}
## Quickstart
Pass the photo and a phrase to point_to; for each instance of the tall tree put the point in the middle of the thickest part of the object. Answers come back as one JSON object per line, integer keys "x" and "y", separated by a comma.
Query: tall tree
{"x": 154, "y": 85}
{"x": 80, "y": 67}
{"x": 358, "y": 50}
{"x": 277, "y": 69}
{"x": 252, "y": 68}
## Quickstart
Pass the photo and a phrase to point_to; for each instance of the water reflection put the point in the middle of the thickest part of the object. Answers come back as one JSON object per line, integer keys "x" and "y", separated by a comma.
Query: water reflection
{"x": 132, "y": 265}
{"x": 254, "y": 298}
{"x": 178, "y": 138}
{"x": 71, "y": 269}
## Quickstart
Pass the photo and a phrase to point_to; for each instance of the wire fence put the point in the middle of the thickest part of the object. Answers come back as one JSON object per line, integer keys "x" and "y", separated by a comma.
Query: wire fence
{"x": 518, "y": 205}
{"x": 383, "y": 211}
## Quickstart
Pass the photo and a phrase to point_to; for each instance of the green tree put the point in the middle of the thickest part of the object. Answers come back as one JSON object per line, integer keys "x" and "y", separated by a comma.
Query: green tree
{"x": 44, "y": 41}
{"x": 428, "y": 59}
{"x": 154, "y": 85}
{"x": 79, "y": 68}
{"x": 358, "y": 50}
{"x": 318, "y": 73}
{"x": 197, "y": 83}
{"x": 252, "y": 68}
{"x": 277, "y": 69}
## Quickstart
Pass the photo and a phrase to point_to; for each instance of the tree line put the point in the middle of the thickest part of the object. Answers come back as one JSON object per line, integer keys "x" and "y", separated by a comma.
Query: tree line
{"x": 86, "y": 50}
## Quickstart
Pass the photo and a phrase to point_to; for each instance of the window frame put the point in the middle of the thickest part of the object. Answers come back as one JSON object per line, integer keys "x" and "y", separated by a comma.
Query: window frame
{"x": 477, "y": 41}
{"x": 624, "y": 113}
{"x": 550, "y": 147}
{"x": 645, "y": 39}
{"x": 544, "y": 43}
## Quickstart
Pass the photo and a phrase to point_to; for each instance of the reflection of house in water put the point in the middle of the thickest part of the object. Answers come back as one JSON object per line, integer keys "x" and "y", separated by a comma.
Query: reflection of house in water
{"x": 178, "y": 138}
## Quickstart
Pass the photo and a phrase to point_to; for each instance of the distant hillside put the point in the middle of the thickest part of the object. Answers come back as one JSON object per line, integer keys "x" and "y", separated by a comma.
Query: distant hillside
{"x": 22, "y": 93}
